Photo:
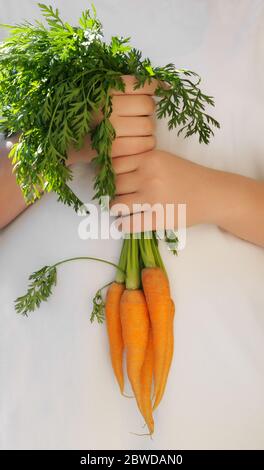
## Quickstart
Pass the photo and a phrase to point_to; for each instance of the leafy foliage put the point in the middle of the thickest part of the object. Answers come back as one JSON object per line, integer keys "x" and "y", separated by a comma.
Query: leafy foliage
{"x": 54, "y": 77}
{"x": 42, "y": 281}
{"x": 172, "y": 241}
{"x": 98, "y": 311}
{"x": 39, "y": 290}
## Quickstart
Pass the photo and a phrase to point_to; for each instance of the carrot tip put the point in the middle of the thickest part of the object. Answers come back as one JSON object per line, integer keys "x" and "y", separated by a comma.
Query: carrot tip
{"x": 143, "y": 434}
{"x": 127, "y": 396}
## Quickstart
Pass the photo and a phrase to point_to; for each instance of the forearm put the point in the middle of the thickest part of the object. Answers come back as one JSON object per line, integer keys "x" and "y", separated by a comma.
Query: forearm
{"x": 12, "y": 202}
{"x": 236, "y": 204}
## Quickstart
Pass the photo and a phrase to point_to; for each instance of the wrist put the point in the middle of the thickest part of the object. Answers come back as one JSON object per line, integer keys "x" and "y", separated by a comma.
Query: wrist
{"x": 204, "y": 202}
{"x": 228, "y": 197}
{"x": 215, "y": 195}
{"x": 238, "y": 197}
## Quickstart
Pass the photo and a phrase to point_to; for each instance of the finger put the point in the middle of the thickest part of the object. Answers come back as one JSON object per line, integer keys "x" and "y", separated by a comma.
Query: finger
{"x": 126, "y": 204}
{"x": 122, "y": 165}
{"x": 126, "y": 164}
{"x": 123, "y": 146}
{"x": 130, "y": 81}
{"x": 127, "y": 183}
{"x": 145, "y": 222}
{"x": 128, "y": 105}
{"x": 132, "y": 126}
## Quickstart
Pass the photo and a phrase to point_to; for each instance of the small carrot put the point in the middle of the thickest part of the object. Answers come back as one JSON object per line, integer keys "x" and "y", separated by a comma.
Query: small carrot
{"x": 157, "y": 293}
{"x": 113, "y": 321}
{"x": 114, "y": 329}
{"x": 146, "y": 385}
{"x": 135, "y": 329}
{"x": 168, "y": 359}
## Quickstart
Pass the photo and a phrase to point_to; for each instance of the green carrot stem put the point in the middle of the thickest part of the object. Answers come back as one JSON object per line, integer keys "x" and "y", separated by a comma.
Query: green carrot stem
{"x": 156, "y": 253}
{"x": 146, "y": 250}
{"x": 141, "y": 266}
{"x": 91, "y": 258}
{"x": 121, "y": 272}
{"x": 133, "y": 270}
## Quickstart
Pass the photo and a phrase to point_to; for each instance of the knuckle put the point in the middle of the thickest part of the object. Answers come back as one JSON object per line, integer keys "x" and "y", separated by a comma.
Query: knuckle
{"x": 114, "y": 102}
{"x": 149, "y": 104}
{"x": 149, "y": 125}
{"x": 118, "y": 146}
{"x": 138, "y": 145}
{"x": 152, "y": 142}
{"x": 155, "y": 182}
{"x": 114, "y": 120}
{"x": 145, "y": 144}
{"x": 118, "y": 181}
{"x": 115, "y": 164}
{"x": 117, "y": 104}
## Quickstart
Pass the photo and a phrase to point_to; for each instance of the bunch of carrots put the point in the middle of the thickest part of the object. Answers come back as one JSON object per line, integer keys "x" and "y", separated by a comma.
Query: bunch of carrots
{"x": 139, "y": 315}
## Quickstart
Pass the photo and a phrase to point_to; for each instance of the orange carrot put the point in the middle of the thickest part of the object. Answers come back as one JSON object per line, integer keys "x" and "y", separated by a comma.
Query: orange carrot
{"x": 157, "y": 293}
{"x": 114, "y": 329}
{"x": 135, "y": 329}
{"x": 168, "y": 359}
{"x": 146, "y": 385}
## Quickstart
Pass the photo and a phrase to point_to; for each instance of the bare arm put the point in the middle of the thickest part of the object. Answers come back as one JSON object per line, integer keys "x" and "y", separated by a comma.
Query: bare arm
{"x": 233, "y": 202}
{"x": 238, "y": 205}
{"x": 11, "y": 199}
{"x": 12, "y": 202}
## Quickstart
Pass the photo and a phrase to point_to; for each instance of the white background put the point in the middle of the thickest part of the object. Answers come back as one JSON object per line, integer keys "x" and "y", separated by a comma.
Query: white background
{"x": 57, "y": 387}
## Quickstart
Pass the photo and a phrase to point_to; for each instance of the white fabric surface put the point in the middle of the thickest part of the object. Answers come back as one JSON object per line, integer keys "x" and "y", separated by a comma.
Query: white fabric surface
{"x": 57, "y": 387}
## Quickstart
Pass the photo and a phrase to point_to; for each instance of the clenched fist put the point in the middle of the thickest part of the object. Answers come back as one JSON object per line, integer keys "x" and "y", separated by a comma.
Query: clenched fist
{"x": 132, "y": 119}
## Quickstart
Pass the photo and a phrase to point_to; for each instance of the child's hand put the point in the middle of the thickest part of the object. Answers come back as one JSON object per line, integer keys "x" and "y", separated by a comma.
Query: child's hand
{"x": 134, "y": 126}
{"x": 233, "y": 202}
{"x": 132, "y": 120}
{"x": 158, "y": 177}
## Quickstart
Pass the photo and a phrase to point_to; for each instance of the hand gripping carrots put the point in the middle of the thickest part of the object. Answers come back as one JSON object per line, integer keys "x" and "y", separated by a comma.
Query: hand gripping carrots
{"x": 139, "y": 316}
